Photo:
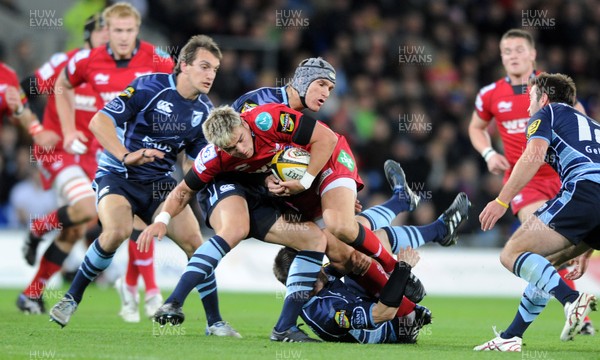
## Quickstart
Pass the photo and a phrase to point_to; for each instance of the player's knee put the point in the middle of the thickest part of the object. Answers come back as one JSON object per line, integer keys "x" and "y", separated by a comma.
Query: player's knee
{"x": 70, "y": 235}
{"x": 507, "y": 258}
{"x": 235, "y": 234}
{"x": 342, "y": 230}
{"x": 190, "y": 243}
{"x": 84, "y": 209}
{"x": 112, "y": 238}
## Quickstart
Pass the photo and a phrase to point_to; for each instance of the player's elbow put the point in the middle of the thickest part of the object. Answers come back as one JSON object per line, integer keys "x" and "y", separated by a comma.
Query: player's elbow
{"x": 96, "y": 123}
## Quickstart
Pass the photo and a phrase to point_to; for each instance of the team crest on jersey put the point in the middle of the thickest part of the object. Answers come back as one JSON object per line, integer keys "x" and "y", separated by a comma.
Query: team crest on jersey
{"x": 264, "y": 121}
{"x": 197, "y": 118}
{"x": 127, "y": 93}
{"x": 286, "y": 123}
{"x": 531, "y": 129}
{"x": 248, "y": 106}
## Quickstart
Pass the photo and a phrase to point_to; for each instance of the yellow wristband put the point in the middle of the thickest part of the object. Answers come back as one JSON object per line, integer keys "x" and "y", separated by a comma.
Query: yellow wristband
{"x": 504, "y": 205}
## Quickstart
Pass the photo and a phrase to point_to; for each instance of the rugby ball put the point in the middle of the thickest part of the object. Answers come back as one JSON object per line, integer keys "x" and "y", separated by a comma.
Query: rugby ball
{"x": 290, "y": 164}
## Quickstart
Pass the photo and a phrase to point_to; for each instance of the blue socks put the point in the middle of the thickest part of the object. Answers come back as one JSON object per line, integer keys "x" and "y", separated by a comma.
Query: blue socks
{"x": 210, "y": 299}
{"x": 300, "y": 282}
{"x": 538, "y": 271}
{"x": 96, "y": 260}
{"x": 382, "y": 215}
{"x": 414, "y": 236}
{"x": 199, "y": 273}
{"x": 532, "y": 303}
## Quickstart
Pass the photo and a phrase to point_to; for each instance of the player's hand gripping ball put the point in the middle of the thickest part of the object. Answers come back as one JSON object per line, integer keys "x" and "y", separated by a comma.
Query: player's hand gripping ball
{"x": 290, "y": 163}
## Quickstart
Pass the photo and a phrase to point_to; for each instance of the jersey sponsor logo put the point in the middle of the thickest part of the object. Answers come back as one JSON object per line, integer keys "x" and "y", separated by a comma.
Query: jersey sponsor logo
{"x": 248, "y": 106}
{"x": 85, "y": 102}
{"x": 226, "y": 188}
{"x": 359, "y": 318}
{"x": 206, "y": 154}
{"x": 264, "y": 121}
{"x": 345, "y": 159}
{"x": 504, "y": 106}
{"x": 197, "y": 118}
{"x": 286, "y": 123}
{"x": 128, "y": 92}
{"x": 116, "y": 106}
{"x": 164, "y": 107}
{"x": 531, "y": 129}
{"x": 101, "y": 79}
{"x": 325, "y": 174}
{"x": 517, "y": 126}
{"x": 152, "y": 143}
{"x": 342, "y": 320}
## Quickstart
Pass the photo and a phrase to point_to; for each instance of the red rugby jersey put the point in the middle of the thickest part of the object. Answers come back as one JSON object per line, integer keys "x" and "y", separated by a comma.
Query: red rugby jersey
{"x": 509, "y": 107}
{"x": 109, "y": 77}
{"x": 8, "y": 77}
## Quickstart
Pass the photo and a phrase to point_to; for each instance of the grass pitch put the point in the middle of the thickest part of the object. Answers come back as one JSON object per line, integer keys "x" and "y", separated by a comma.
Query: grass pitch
{"x": 97, "y": 332}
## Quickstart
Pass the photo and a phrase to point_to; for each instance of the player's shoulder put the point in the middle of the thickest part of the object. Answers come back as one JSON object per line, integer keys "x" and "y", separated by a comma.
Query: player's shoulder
{"x": 256, "y": 97}
{"x": 7, "y": 70}
{"x": 492, "y": 87}
{"x": 206, "y": 155}
{"x": 204, "y": 101}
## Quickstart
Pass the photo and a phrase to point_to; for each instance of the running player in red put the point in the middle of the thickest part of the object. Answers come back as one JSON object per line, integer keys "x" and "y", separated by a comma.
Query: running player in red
{"x": 70, "y": 175}
{"x": 108, "y": 70}
{"x": 13, "y": 100}
{"x": 507, "y": 101}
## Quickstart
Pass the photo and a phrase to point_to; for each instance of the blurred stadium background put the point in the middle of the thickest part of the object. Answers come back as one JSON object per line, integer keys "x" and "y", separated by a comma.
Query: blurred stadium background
{"x": 408, "y": 73}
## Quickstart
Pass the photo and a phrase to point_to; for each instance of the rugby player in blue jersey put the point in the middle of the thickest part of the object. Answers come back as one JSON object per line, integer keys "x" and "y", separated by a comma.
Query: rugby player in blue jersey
{"x": 142, "y": 131}
{"x": 341, "y": 313}
{"x": 566, "y": 226}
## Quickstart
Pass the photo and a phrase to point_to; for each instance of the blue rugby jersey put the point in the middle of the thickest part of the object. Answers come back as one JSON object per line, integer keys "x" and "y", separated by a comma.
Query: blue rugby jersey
{"x": 264, "y": 95}
{"x": 573, "y": 138}
{"x": 151, "y": 114}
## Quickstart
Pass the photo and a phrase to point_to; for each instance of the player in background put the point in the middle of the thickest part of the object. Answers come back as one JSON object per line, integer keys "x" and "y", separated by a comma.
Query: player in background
{"x": 108, "y": 70}
{"x": 70, "y": 175}
{"x": 133, "y": 176}
{"x": 567, "y": 226}
{"x": 13, "y": 102}
{"x": 337, "y": 313}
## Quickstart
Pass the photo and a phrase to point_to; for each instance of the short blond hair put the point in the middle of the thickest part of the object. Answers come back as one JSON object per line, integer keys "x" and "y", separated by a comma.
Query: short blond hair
{"x": 218, "y": 128}
{"x": 121, "y": 10}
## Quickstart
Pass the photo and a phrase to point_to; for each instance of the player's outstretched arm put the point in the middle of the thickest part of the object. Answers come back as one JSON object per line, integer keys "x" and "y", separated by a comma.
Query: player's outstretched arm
{"x": 529, "y": 163}
{"x": 104, "y": 130}
{"x": 175, "y": 203}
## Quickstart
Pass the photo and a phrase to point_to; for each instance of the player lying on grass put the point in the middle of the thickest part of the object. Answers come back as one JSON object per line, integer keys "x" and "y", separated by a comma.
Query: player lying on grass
{"x": 254, "y": 153}
{"x": 336, "y": 312}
